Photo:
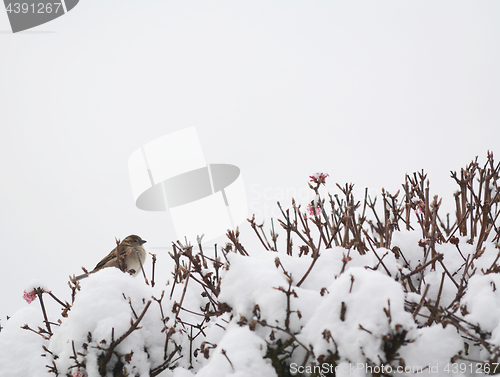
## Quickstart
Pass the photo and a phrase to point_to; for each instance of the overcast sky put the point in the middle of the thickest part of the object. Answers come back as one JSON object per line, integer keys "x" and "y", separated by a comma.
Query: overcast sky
{"x": 363, "y": 90}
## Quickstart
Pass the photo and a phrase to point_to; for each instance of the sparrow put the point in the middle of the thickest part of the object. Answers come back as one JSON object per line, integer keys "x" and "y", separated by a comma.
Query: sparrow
{"x": 129, "y": 249}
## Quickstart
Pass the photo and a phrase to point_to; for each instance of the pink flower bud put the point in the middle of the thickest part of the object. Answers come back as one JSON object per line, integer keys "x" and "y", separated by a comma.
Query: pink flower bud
{"x": 29, "y": 297}
{"x": 312, "y": 212}
{"x": 319, "y": 178}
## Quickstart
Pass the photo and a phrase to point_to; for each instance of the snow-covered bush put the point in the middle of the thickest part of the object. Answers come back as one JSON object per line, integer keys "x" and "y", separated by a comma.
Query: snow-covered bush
{"x": 348, "y": 288}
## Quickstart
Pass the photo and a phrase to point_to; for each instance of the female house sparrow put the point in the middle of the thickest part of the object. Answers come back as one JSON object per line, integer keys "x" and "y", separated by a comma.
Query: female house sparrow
{"x": 128, "y": 249}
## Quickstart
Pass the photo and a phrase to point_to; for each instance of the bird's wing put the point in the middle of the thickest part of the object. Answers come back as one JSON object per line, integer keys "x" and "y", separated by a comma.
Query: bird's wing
{"x": 107, "y": 261}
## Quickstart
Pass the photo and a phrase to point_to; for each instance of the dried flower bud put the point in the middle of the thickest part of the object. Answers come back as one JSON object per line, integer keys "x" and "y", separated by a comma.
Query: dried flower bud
{"x": 304, "y": 249}
{"x": 423, "y": 242}
{"x": 252, "y": 324}
{"x": 327, "y": 335}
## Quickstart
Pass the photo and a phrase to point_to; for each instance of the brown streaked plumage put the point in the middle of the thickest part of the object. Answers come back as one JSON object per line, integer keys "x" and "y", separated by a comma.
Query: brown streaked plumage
{"x": 128, "y": 248}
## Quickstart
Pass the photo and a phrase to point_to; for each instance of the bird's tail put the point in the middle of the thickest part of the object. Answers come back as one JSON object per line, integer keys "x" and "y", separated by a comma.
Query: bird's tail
{"x": 82, "y": 276}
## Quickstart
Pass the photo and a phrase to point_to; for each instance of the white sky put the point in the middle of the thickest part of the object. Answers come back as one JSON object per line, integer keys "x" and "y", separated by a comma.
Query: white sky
{"x": 365, "y": 91}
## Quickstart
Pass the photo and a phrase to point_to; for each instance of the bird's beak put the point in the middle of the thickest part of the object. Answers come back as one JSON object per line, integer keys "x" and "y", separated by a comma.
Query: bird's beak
{"x": 143, "y": 241}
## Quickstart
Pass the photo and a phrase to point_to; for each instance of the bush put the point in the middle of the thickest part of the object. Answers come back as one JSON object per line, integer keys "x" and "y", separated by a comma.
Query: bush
{"x": 356, "y": 288}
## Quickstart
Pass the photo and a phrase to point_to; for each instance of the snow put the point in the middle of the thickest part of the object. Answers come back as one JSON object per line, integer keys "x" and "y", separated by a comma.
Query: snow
{"x": 352, "y": 296}
{"x": 344, "y": 312}
{"x": 34, "y": 284}
{"x": 446, "y": 342}
{"x": 245, "y": 350}
{"x": 17, "y": 346}
{"x": 101, "y": 307}
{"x": 482, "y": 301}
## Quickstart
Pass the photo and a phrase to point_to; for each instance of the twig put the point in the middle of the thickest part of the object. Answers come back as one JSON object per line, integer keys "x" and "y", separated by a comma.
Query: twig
{"x": 254, "y": 227}
{"x": 39, "y": 293}
{"x": 422, "y": 267}
{"x": 224, "y": 353}
{"x": 417, "y": 309}
{"x": 109, "y": 352}
{"x": 142, "y": 268}
{"x": 315, "y": 258}
{"x": 59, "y": 301}
{"x": 153, "y": 270}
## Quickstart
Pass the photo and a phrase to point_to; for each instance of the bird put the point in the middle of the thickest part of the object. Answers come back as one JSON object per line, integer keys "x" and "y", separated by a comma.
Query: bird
{"x": 130, "y": 249}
